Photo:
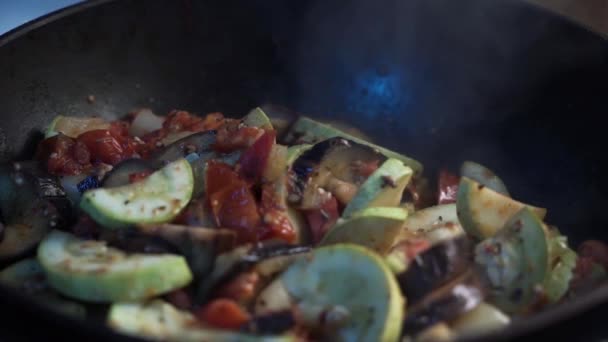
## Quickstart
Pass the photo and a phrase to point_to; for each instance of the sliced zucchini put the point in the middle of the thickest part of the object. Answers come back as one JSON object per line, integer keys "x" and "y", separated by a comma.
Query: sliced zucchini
{"x": 293, "y": 152}
{"x": 383, "y": 188}
{"x": 485, "y": 318}
{"x": 28, "y": 277}
{"x": 483, "y": 211}
{"x": 74, "y": 126}
{"x": 257, "y": 118}
{"x": 158, "y": 320}
{"x": 375, "y": 228}
{"x": 91, "y": 271}
{"x": 438, "y": 223}
{"x": 484, "y": 176}
{"x": 515, "y": 262}
{"x": 562, "y": 261}
{"x": 308, "y": 131}
{"x": 273, "y": 298}
{"x": 157, "y": 199}
{"x": 352, "y": 288}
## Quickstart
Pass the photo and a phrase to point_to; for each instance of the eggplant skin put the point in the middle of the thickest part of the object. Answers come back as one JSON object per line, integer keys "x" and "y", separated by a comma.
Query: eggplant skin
{"x": 461, "y": 295}
{"x": 272, "y": 323}
{"x": 435, "y": 267}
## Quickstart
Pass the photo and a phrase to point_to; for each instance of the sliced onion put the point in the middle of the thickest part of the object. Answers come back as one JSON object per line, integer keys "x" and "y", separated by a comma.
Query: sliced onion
{"x": 145, "y": 122}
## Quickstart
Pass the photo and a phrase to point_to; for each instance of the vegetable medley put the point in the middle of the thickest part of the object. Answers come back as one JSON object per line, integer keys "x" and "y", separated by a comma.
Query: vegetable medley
{"x": 193, "y": 228}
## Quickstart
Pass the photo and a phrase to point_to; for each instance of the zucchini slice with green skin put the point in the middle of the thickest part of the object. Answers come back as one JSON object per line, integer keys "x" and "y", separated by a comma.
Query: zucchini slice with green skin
{"x": 515, "y": 262}
{"x": 383, "y": 188}
{"x": 483, "y": 175}
{"x": 352, "y": 288}
{"x": 73, "y": 126}
{"x": 91, "y": 271}
{"x": 562, "y": 261}
{"x": 483, "y": 211}
{"x": 374, "y": 228}
{"x": 293, "y": 152}
{"x": 437, "y": 223}
{"x": 257, "y": 118}
{"x": 27, "y": 276}
{"x": 308, "y": 131}
{"x": 158, "y": 320}
{"x": 157, "y": 199}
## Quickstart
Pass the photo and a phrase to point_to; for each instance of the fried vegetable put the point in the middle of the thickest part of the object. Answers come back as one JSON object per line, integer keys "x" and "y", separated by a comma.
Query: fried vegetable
{"x": 352, "y": 288}
{"x": 515, "y": 262}
{"x": 484, "y": 176}
{"x": 89, "y": 270}
{"x": 375, "y": 228}
{"x": 483, "y": 211}
{"x": 438, "y": 223}
{"x": 383, "y": 188}
{"x": 121, "y": 173}
{"x": 157, "y": 199}
{"x": 485, "y": 318}
{"x": 74, "y": 126}
{"x": 562, "y": 261}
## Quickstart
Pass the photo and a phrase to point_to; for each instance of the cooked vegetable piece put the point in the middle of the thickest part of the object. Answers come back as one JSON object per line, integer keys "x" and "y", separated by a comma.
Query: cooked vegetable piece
{"x": 28, "y": 277}
{"x": 435, "y": 267}
{"x": 483, "y": 211}
{"x": 515, "y": 262}
{"x": 484, "y": 176}
{"x": 30, "y": 204}
{"x": 308, "y": 131}
{"x": 144, "y": 122}
{"x": 294, "y": 152}
{"x": 562, "y": 261}
{"x": 257, "y": 118}
{"x": 436, "y": 223}
{"x": 89, "y": 270}
{"x": 74, "y": 126}
{"x": 158, "y": 320}
{"x": 157, "y": 199}
{"x": 272, "y": 323}
{"x": 375, "y": 228}
{"x": 273, "y": 298}
{"x": 438, "y": 332}
{"x": 383, "y": 188}
{"x": 485, "y": 318}
{"x": 193, "y": 143}
{"x": 199, "y": 245}
{"x": 265, "y": 260}
{"x": 447, "y": 187}
{"x": 122, "y": 173}
{"x": 330, "y": 166}
{"x": 354, "y": 290}
{"x": 460, "y": 295}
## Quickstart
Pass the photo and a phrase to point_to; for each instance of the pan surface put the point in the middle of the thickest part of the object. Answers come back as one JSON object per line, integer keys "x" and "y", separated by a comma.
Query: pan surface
{"x": 499, "y": 82}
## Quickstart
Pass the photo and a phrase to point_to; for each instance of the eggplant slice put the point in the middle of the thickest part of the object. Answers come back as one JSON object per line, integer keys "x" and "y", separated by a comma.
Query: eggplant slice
{"x": 332, "y": 159}
{"x": 31, "y": 203}
{"x": 435, "y": 267}
{"x": 194, "y": 143}
{"x": 459, "y": 296}
{"x": 121, "y": 173}
{"x": 267, "y": 260}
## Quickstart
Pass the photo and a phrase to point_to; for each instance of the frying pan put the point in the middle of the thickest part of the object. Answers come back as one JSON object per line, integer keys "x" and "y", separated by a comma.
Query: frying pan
{"x": 500, "y": 82}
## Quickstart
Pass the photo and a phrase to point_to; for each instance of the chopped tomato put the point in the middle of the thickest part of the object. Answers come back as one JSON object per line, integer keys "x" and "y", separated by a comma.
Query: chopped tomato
{"x": 254, "y": 159}
{"x": 59, "y": 154}
{"x": 242, "y": 288}
{"x": 105, "y": 147}
{"x": 180, "y": 121}
{"x": 275, "y": 215}
{"x": 596, "y": 250}
{"x": 234, "y": 207}
{"x": 232, "y": 202}
{"x": 322, "y": 219}
{"x": 232, "y": 136}
{"x": 448, "y": 187}
{"x": 224, "y": 314}
{"x": 139, "y": 176}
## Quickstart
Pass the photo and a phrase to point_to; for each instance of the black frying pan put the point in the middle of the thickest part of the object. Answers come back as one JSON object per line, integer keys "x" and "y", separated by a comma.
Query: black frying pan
{"x": 499, "y": 82}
